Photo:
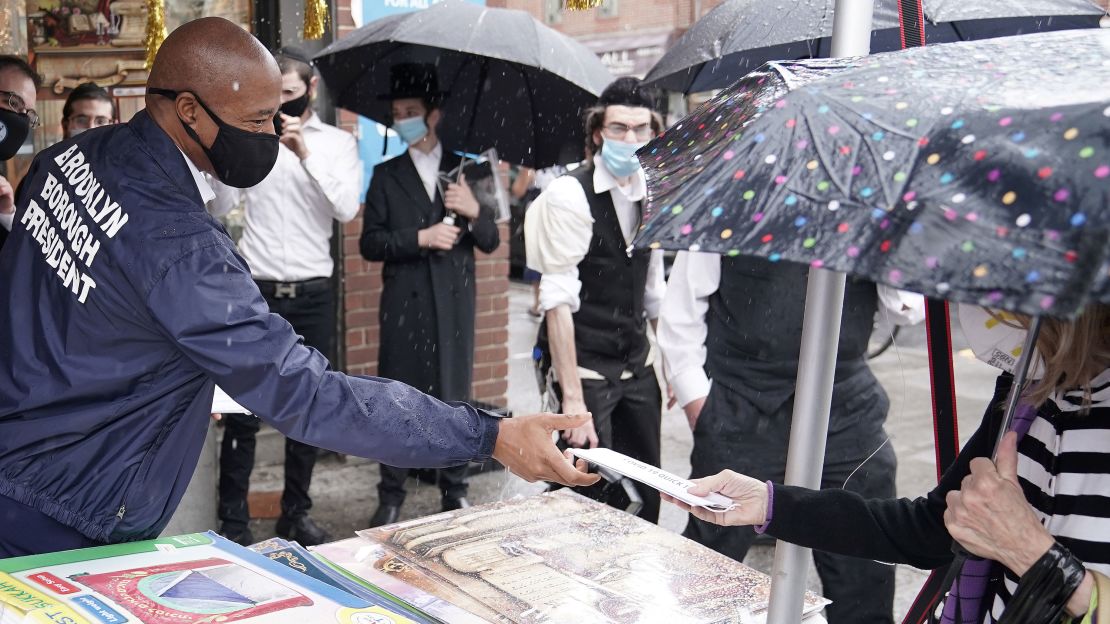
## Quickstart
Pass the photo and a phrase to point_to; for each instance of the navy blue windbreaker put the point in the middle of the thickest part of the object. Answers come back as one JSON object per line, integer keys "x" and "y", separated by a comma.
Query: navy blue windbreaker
{"x": 121, "y": 303}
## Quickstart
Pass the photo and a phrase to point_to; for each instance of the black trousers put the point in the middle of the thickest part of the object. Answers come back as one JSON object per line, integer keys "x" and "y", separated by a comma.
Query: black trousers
{"x": 391, "y": 489}
{"x": 862, "y": 591}
{"x": 312, "y": 315}
{"x": 627, "y": 416}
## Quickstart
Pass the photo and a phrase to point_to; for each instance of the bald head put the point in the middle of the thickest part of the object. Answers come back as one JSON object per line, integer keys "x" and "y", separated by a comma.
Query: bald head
{"x": 227, "y": 69}
{"x": 212, "y": 58}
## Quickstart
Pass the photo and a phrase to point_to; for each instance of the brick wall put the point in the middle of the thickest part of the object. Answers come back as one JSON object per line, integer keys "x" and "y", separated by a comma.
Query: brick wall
{"x": 362, "y": 285}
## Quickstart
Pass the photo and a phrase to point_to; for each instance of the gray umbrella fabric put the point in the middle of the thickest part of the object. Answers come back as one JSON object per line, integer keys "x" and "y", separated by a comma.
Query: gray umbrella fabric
{"x": 976, "y": 172}
{"x": 513, "y": 83}
{"x": 738, "y": 36}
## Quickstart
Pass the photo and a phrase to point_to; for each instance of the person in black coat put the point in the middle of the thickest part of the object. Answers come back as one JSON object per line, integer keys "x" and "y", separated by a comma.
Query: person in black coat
{"x": 425, "y": 231}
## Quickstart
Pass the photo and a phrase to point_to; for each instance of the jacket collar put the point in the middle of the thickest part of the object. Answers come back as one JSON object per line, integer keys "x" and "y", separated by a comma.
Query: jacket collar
{"x": 410, "y": 181}
{"x": 165, "y": 155}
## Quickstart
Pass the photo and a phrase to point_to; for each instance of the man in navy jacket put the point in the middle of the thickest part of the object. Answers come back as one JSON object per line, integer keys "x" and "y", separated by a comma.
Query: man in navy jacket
{"x": 122, "y": 302}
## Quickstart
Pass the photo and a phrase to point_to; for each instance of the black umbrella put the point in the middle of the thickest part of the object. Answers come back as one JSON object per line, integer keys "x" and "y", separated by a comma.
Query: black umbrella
{"x": 740, "y": 35}
{"x": 977, "y": 172}
{"x": 513, "y": 83}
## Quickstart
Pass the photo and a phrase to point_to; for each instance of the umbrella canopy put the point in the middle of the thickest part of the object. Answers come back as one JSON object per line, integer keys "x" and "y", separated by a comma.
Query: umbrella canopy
{"x": 740, "y": 35}
{"x": 512, "y": 82}
{"x": 977, "y": 172}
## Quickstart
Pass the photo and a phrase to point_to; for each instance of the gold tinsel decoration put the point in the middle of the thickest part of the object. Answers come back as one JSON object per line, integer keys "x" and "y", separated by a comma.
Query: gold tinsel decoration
{"x": 155, "y": 29}
{"x": 581, "y": 5}
{"x": 315, "y": 18}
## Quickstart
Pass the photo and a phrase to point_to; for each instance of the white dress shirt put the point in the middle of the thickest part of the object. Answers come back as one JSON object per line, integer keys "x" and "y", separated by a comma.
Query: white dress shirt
{"x": 683, "y": 331}
{"x": 427, "y": 166}
{"x": 287, "y": 234}
{"x": 203, "y": 187}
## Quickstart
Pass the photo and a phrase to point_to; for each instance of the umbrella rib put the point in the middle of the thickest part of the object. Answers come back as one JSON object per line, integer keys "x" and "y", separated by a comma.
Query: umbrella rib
{"x": 535, "y": 122}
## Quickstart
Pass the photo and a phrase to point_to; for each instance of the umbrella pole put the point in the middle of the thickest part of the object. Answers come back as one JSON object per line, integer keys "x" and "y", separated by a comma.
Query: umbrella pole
{"x": 1021, "y": 374}
{"x": 816, "y": 364}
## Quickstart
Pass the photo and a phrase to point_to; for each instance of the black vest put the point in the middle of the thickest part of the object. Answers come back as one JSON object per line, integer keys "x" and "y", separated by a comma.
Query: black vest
{"x": 609, "y": 327}
{"x": 755, "y": 332}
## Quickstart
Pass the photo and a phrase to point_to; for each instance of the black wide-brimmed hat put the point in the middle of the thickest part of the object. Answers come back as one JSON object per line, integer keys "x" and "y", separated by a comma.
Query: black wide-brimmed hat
{"x": 413, "y": 80}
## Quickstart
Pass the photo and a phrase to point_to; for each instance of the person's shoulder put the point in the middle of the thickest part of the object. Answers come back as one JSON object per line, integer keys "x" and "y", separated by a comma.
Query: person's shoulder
{"x": 334, "y": 133}
{"x": 565, "y": 187}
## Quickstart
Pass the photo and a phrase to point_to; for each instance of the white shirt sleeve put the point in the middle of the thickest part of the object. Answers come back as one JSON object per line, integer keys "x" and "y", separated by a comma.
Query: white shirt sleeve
{"x": 557, "y": 233}
{"x": 902, "y": 306}
{"x": 227, "y": 198}
{"x": 338, "y": 176}
{"x": 656, "y": 287}
{"x": 682, "y": 327}
{"x": 6, "y": 220}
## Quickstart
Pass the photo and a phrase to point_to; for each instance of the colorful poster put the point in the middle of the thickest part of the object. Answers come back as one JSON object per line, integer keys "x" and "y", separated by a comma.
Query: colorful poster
{"x": 189, "y": 579}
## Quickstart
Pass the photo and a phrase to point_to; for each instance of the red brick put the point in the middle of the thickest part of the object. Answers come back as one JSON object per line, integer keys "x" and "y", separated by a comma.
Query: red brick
{"x": 355, "y": 338}
{"x": 361, "y": 319}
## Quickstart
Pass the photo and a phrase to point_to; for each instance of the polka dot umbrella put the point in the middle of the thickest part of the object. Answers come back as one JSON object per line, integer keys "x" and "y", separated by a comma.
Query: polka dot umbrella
{"x": 976, "y": 172}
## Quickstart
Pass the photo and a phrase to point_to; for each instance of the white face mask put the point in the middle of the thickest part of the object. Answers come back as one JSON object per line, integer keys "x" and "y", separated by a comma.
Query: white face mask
{"x": 995, "y": 342}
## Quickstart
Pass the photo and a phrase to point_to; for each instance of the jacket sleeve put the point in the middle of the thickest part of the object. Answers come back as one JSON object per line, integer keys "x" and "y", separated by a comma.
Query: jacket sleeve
{"x": 891, "y": 530}
{"x": 484, "y": 231}
{"x": 380, "y": 242}
{"x": 210, "y": 308}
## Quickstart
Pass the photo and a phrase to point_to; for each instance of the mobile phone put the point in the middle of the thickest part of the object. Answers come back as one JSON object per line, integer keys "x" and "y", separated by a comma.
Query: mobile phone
{"x": 277, "y": 124}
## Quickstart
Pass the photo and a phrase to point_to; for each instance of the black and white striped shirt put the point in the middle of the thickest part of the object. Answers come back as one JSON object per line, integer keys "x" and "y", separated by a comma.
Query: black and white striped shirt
{"x": 1064, "y": 469}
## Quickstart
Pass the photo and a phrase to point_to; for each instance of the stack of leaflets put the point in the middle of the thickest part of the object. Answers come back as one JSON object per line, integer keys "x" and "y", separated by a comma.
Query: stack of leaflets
{"x": 556, "y": 557}
{"x": 189, "y": 579}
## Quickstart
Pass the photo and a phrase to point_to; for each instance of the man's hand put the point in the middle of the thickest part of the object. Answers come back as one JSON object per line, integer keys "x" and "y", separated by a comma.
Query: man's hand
{"x": 460, "y": 200}
{"x": 749, "y": 495}
{"x": 525, "y": 448}
{"x": 990, "y": 517}
{"x": 693, "y": 411}
{"x": 217, "y": 417}
{"x": 291, "y": 135}
{"x": 439, "y": 236}
{"x": 7, "y": 196}
{"x": 583, "y": 435}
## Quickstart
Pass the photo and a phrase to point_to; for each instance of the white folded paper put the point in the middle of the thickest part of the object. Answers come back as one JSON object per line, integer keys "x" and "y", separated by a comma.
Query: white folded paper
{"x": 222, "y": 403}
{"x": 670, "y": 484}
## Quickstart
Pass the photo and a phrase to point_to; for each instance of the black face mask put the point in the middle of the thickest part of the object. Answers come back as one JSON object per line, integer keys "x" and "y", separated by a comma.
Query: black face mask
{"x": 14, "y": 129}
{"x": 297, "y": 107}
{"x": 241, "y": 158}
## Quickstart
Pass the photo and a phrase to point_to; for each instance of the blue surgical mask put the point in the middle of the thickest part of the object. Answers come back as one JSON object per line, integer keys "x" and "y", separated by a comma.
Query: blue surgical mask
{"x": 620, "y": 157}
{"x": 411, "y": 130}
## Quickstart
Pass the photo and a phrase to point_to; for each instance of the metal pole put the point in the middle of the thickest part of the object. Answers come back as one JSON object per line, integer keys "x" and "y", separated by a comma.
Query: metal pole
{"x": 816, "y": 363}
{"x": 808, "y": 430}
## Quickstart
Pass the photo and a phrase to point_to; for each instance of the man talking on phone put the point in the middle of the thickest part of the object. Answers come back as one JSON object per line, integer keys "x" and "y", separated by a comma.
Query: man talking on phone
{"x": 287, "y": 244}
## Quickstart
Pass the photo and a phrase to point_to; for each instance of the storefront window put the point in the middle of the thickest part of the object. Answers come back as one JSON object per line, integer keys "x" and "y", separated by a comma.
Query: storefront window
{"x": 71, "y": 42}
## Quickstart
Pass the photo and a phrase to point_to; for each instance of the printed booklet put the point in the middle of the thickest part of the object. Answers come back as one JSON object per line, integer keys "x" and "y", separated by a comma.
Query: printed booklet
{"x": 188, "y": 579}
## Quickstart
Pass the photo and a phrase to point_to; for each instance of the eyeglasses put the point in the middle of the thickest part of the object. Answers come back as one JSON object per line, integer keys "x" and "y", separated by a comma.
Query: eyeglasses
{"x": 619, "y": 131}
{"x": 16, "y": 104}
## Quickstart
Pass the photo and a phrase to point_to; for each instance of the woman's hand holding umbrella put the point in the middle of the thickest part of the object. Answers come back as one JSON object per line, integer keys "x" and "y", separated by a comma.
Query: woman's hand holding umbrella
{"x": 990, "y": 517}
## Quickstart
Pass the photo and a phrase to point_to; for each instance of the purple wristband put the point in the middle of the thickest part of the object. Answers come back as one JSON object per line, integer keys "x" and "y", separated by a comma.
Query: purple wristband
{"x": 770, "y": 508}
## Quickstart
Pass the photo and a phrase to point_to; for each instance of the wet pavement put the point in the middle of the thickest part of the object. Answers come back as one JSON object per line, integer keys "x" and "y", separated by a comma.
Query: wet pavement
{"x": 345, "y": 492}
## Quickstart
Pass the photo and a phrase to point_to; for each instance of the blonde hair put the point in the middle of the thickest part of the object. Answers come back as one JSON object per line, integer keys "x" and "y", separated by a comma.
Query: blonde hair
{"x": 1074, "y": 352}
